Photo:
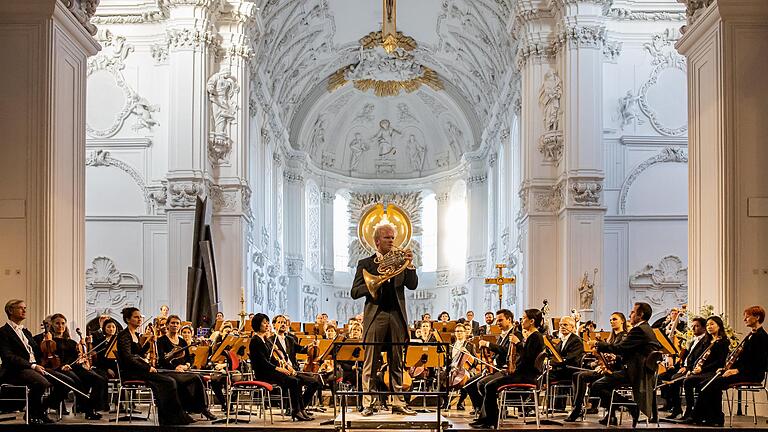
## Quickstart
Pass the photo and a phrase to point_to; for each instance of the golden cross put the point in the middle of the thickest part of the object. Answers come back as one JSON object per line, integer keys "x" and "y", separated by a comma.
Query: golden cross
{"x": 389, "y": 25}
{"x": 500, "y": 280}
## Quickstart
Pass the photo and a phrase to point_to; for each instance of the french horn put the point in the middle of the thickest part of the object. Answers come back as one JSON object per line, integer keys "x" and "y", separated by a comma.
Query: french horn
{"x": 389, "y": 266}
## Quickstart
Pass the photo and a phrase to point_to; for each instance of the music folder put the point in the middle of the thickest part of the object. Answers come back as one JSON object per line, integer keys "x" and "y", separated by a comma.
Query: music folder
{"x": 351, "y": 353}
{"x": 415, "y": 354}
{"x": 667, "y": 347}
{"x": 552, "y": 350}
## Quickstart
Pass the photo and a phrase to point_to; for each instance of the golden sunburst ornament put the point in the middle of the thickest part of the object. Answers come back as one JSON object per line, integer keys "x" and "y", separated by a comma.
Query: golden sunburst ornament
{"x": 379, "y": 215}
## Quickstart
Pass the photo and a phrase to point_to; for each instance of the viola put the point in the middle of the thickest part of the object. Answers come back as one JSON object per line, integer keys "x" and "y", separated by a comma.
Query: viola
{"x": 82, "y": 348}
{"x": 313, "y": 353}
{"x": 48, "y": 347}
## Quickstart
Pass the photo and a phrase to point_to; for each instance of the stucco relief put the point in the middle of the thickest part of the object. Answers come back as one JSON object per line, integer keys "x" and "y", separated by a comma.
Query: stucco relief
{"x": 662, "y": 285}
{"x": 668, "y": 154}
{"x": 665, "y": 57}
{"x": 109, "y": 290}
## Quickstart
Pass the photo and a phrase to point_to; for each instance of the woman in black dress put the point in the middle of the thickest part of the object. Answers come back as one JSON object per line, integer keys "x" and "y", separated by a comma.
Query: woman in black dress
{"x": 106, "y": 360}
{"x": 85, "y": 379}
{"x": 133, "y": 366}
{"x": 266, "y": 369}
{"x": 175, "y": 360}
{"x": 718, "y": 345}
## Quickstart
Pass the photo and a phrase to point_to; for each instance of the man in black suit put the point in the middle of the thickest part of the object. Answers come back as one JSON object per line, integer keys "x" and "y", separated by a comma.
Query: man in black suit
{"x": 635, "y": 348}
{"x": 290, "y": 346}
{"x": 489, "y": 319}
{"x": 671, "y": 392}
{"x": 475, "y": 329}
{"x": 571, "y": 348}
{"x": 20, "y": 357}
{"x": 384, "y": 318}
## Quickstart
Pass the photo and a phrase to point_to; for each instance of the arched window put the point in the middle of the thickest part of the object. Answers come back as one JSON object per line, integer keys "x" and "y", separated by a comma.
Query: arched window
{"x": 429, "y": 233}
{"x": 340, "y": 233}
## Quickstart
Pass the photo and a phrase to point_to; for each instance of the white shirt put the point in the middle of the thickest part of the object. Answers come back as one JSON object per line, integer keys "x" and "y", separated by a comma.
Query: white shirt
{"x": 18, "y": 328}
{"x": 695, "y": 341}
{"x": 564, "y": 340}
{"x": 285, "y": 349}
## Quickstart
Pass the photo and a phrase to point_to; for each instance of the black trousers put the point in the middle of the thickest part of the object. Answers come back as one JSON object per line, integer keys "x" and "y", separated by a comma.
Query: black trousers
{"x": 476, "y": 388}
{"x": 289, "y": 384}
{"x": 166, "y": 393}
{"x": 604, "y": 386}
{"x": 709, "y": 406}
{"x": 580, "y": 381}
{"x": 312, "y": 384}
{"x": 489, "y": 412}
{"x": 191, "y": 391}
{"x": 38, "y": 384}
{"x": 692, "y": 384}
{"x": 387, "y": 326}
{"x": 92, "y": 384}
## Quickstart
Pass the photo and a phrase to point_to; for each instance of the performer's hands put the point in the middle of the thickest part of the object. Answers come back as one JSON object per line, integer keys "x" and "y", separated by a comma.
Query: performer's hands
{"x": 66, "y": 368}
{"x": 39, "y": 369}
{"x": 683, "y": 370}
{"x": 513, "y": 339}
{"x": 730, "y": 372}
{"x": 696, "y": 370}
{"x": 181, "y": 368}
{"x": 483, "y": 343}
{"x": 408, "y": 254}
{"x": 152, "y": 370}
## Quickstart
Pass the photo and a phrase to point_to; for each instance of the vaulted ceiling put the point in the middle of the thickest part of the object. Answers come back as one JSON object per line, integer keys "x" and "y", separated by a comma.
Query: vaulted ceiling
{"x": 304, "y": 42}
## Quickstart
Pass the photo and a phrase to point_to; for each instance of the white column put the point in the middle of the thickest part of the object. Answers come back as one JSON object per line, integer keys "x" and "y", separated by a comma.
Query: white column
{"x": 477, "y": 239}
{"x": 190, "y": 39}
{"x": 727, "y": 52}
{"x": 294, "y": 226}
{"x": 42, "y": 186}
{"x": 444, "y": 274}
{"x": 327, "y": 197}
{"x": 580, "y": 40}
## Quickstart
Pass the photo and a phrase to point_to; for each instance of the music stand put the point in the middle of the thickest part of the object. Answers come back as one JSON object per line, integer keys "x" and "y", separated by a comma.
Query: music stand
{"x": 495, "y": 330}
{"x": 555, "y": 354}
{"x": 295, "y": 327}
{"x": 201, "y": 356}
{"x": 226, "y": 344}
{"x": 445, "y": 327}
{"x": 667, "y": 347}
{"x": 425, "y": 356}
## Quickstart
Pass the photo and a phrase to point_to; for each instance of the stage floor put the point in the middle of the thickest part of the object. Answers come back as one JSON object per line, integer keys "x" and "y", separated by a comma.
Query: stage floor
{"x": 454, "y": 421}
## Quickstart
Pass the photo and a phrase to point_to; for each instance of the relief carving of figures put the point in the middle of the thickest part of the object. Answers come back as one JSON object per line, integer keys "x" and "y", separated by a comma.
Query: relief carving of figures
{"x": 587, "y": 291}
{"x": 222, "y": 89}
{"x": 317, "y": 140}
{"x": 142, "y": 109}
{"x": 405, "y": 115}
{"x": 384, "y": 138}
{"x": 549, "y": 98}
{"x": 366, "y": 114}
{"x": 628, "y": 110}
{"x": 455, "y": 139}
{"x": 357, "y": 146}
{"x": 417, "y": 151}
{"x": 586, "y": 193}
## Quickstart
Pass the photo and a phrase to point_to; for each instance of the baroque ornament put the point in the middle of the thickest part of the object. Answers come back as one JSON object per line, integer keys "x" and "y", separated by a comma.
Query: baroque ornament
{"x": 586, "y": 193}
{"x": 665, "y": 56}
{"x": 183, "y": 195}
{"x": 102, "y": 158}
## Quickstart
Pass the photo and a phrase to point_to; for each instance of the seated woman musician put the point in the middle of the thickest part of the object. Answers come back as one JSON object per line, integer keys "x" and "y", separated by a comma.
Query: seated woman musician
{"x": 175, "y": 360}
{"x": 76, "y": 365}
{"x": 134, "y": 366}
{"x": 106, "y": 358}
{"x": 269, "y": 367}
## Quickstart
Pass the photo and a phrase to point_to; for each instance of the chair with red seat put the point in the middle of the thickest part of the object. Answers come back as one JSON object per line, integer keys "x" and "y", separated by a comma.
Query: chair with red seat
{"x": 136, "y": 391}
{"x": 257, "y": 391}
{"x": 522, "y": 396}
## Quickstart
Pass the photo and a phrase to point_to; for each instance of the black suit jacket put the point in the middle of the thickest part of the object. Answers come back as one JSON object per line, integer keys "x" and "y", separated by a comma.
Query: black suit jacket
{"x": 753, "y": 361}
{"x": 527, "y": 353}
{"x": 293, "y": 347}
{"x": 483, "y": 329}
{"x": 693, "y": 356}
{"x": 407, "y": 279}
{"x": 572, "y": 352}
{"x": 634, "y": 350}
{"x": 475, "y": 327}
{"x": 261, "y": 361}
{"x": 12, "y": 351}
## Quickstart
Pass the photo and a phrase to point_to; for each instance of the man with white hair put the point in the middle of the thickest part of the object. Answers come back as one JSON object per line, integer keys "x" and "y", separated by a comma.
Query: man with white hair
{"x": 571, "y": 348}
{"x": 384, "y": 319}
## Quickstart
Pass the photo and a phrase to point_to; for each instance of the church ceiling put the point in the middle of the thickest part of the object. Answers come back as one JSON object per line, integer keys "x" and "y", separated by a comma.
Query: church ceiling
{"x": 304, "y": 42}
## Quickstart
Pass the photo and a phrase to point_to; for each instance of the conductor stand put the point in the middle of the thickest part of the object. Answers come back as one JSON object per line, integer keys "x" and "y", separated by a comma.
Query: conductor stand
{"x": 350, "y": 352}
{"x": 420, "y": 421}
{"x": 422, "y": 356}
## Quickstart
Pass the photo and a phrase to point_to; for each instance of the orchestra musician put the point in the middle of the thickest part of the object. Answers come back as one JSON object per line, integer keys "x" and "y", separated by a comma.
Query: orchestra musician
{"x": 444, "y": 317}
{"x": 104, "y": 364}
{"x": 716, "y": 347}
{"x": 526, "y": 370}
{"x": 174, "y": 358}
{"x": 75, "y": 365}
{"x": 455, "y": 351}
{"x": 385, "y": 318}
{"x": 187, "y": 334}
{"x": 22, "y": 365}
{"x": 634, "y": 350}
{"x": 266, "y": 368}
{"x": 474, "y": 326}
{"x": 672, "y": 323}
{"x": 749, "y": 365}
{"x": 476, "y": 387}
{"x": 489, "y": 319}
{"x": 289, "y": 348}
{"x": 671, "y": 391}
{"x": 133, "y": 366}
{"x": 571, "y": 348}
{"x": 582, "y": 378}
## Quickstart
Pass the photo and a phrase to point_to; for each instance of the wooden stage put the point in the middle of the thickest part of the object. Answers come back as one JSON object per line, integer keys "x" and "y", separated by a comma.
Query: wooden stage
{"x": 455, "y": 421}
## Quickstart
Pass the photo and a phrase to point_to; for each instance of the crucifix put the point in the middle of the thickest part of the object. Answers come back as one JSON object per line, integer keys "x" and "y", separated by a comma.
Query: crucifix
{"x": 500, "y": 281}
{"x": 389, "y": 25}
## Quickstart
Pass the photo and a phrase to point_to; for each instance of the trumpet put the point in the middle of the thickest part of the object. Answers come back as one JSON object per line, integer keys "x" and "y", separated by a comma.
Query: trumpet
{"x": 389, "y": 266}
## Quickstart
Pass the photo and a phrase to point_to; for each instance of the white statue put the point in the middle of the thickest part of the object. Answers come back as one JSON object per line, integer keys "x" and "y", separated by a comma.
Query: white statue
{"x": 405, "y": 114}
{"x": 549, "y": 98}
{"x": 222, "y": 88}
{"x": 455, "y": 139}
{"x": 317, "y": 140}
{"x": 587, "y": 291}
{"x": 384, "y": 138}
{"x": 417, "y": 151}
{"x": 628, "y": 109}
{"x": 357, "y": 146}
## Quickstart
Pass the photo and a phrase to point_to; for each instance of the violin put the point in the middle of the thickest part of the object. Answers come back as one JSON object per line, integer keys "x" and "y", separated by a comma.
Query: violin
{"x": 84, "y": 357}
{"x": 178, "y": 351}
{"x": 150, "y": 336}
{"x": 48, "y": 347}
{"x": 461, "y": 373}
{"x": 313, "y": 353}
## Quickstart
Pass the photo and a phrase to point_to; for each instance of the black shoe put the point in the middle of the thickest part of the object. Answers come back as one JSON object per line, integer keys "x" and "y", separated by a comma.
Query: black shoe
{"x": 460, "y": 407}
{"x": 209, "y": 415}
{"x": 404, "y": 410}
{"x": 574, "y": 416}
{"x": 674, "y": 414}
{"x": 481, "y": 425}
{"x": 307, "y": 415}
{"x": 605, "y": 420}
{"x": 92, "y": 416}
{"x": 366, "y": 412}
{"x": 634, "y": 411}
{"x": 299, "y": 416}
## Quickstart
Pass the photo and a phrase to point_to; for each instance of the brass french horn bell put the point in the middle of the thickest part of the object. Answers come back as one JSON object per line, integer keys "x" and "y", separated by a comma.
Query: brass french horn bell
{"x": 390, "y": 265}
